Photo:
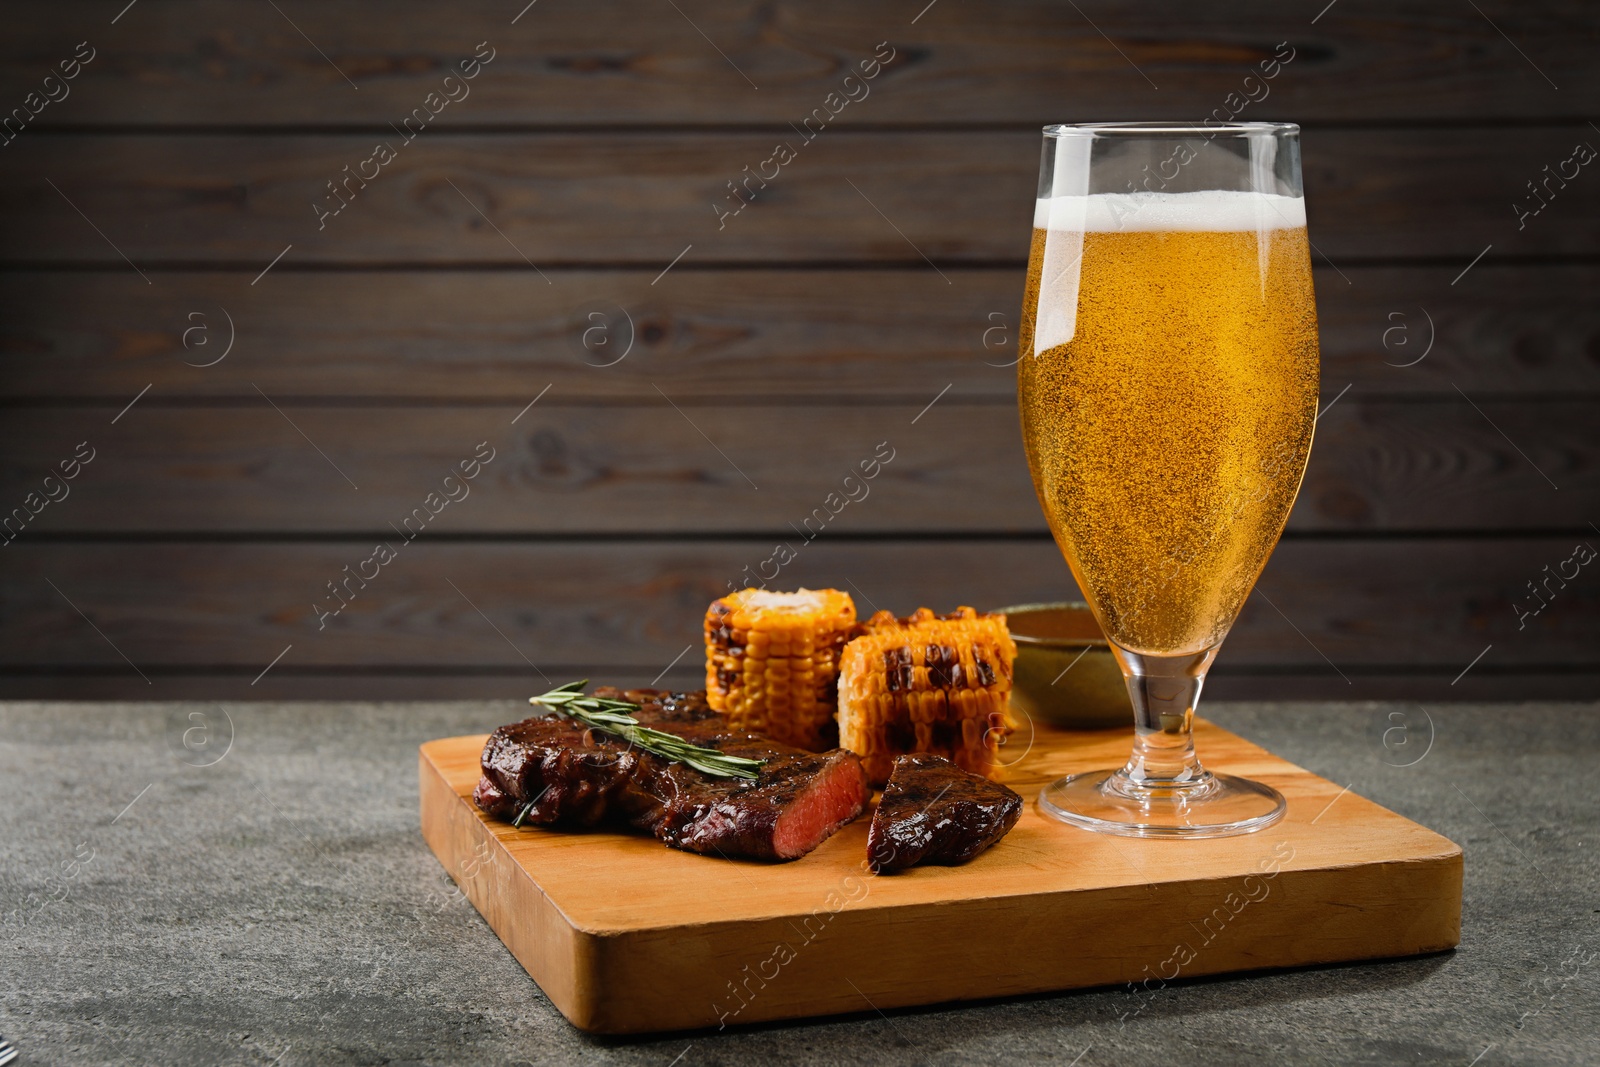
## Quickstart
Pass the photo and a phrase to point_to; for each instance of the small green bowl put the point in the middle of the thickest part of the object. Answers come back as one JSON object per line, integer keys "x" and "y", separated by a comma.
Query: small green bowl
{"x": 1065, "y": 673}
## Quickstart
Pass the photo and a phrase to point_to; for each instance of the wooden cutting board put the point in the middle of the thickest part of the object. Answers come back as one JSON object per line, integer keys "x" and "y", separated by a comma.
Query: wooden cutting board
{"x": 626, "y": 935}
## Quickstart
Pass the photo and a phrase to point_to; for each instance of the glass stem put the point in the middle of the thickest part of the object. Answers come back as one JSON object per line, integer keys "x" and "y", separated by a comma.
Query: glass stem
{"x": 1164, "y": 691}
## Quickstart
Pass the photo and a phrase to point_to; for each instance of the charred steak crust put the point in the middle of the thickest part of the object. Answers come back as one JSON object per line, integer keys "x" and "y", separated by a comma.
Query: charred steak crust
{"x": 555, "y": 768}
{"x": 564, "y": 774}
{"x": 934, "y": 812}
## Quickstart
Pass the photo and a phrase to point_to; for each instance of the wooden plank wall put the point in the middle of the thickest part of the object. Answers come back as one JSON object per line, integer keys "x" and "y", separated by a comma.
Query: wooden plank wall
{"x": 268, "y": 389}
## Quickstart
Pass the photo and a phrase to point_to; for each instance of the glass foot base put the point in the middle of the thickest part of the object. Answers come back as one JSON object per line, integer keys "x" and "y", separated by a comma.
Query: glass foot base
{"x": 1108, "y": 802}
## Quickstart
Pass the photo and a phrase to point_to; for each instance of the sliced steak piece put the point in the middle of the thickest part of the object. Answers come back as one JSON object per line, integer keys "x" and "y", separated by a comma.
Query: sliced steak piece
{"x": 562, "y": 774}
{"x": 565, "y": 774}
{"x": 934, "y": 812}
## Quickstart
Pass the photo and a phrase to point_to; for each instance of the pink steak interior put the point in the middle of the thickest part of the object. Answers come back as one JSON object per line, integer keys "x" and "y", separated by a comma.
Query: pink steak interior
{"x": 834, "y": 798}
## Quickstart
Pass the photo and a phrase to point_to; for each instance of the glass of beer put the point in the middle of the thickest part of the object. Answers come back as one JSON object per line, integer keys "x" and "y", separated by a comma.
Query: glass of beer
{"x": 1167, "y": 381}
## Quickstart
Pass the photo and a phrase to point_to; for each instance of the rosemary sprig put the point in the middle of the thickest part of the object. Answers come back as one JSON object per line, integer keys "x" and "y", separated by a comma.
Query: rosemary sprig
{"x": 615, "y": 717}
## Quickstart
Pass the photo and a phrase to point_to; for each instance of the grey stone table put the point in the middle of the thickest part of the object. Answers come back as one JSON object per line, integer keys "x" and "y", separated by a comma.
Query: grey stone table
{"x": 246, "y": 883}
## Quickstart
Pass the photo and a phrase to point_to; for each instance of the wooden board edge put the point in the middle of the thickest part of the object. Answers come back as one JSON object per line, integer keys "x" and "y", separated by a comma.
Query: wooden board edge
{"x": 1419, "y": 897}
{"x": 1446, "y": 847}
{"x": 1402, "y": 909}
{"x": 541, "y": 938}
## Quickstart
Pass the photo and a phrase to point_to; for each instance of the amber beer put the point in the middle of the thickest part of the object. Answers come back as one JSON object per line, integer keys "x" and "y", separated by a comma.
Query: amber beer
{"x": 1167, "y": 383}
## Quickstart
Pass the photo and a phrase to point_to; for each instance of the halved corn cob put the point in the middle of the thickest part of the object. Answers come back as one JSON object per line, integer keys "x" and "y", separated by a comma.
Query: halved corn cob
{"x": 928, "y": 683}
{"x": 772, "y": 661}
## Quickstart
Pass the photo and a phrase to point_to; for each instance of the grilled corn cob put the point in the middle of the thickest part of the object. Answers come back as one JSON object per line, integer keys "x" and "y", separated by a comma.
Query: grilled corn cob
{"x": 928, "y": 683}
{"x": 772, "y": 662}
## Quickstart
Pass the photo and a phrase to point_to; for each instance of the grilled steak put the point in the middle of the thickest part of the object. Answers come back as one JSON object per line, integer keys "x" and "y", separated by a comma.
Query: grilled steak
{"x": 556, "y": 772}
{"x": 934, "y": 812}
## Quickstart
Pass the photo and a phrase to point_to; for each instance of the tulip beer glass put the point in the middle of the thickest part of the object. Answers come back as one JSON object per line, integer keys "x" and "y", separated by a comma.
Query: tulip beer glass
{"x": 1167, "y": 383}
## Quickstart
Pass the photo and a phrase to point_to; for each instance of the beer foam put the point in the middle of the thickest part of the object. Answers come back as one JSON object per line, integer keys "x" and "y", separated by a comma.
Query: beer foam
{"x": 1213, "y": 211}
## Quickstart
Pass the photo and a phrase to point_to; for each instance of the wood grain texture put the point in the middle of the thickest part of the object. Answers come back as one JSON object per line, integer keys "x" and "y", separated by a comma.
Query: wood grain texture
{"x": 1338, "y": 878}
{"x": 1418, "y": 604}
{"x": 513, "y": 686}
{"x": 474, "y": 335}
{"x": 413, "y": 325}
{"x": 782, "y": 471}
{"x": 542, "y": 200}
{"x": 210, "y": 62}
